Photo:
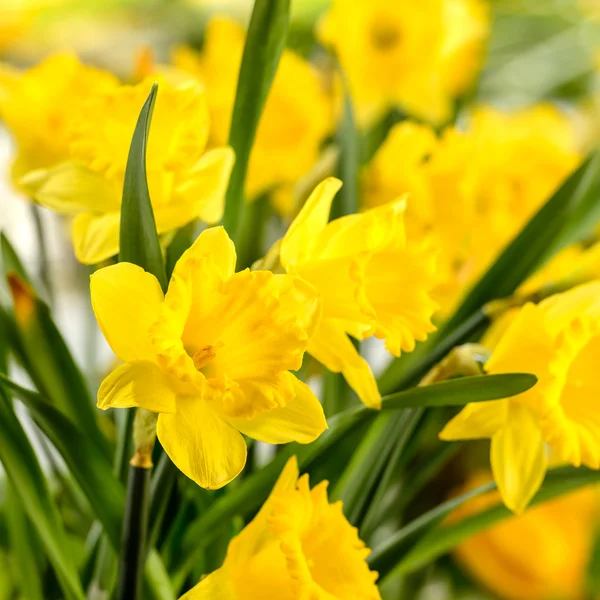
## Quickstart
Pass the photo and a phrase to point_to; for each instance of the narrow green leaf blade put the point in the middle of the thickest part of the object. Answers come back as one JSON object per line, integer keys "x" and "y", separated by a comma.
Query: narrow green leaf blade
{"x": 21, "y": 465}
{"x": 22, "y": 542}
{"x": 380, "y": 447}
{"x": 139, "y": 243}
{"x": 458, "y": 392}
{"x": 89, "y": 466}
{"x": 49, "y": 362}
{"x": 264, "y": 44}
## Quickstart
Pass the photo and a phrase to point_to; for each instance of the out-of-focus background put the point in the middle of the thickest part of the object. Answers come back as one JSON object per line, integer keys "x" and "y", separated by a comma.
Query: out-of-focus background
{"x": 538, "y": 50}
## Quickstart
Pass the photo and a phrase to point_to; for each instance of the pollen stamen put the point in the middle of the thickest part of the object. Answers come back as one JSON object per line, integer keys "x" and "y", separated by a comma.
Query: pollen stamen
{"x": 203, "y": 357}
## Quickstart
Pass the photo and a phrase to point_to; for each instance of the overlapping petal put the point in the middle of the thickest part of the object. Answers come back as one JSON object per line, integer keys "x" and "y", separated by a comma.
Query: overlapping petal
{"x": 140, "y": 384}
{"x": 127, "y": 301}
{"x": 202, "y": 445}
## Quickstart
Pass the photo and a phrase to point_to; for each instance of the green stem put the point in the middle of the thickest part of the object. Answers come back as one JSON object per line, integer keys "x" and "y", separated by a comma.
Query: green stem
{"x": 133, "y": 547}
{"x": 135, "y": 520}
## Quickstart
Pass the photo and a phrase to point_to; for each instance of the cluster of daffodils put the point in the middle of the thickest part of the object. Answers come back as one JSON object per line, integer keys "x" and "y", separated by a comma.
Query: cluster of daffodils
{"x": 213, "y": 355}
{"x": 472, "y": 189}
{"x": 72, "y": 157}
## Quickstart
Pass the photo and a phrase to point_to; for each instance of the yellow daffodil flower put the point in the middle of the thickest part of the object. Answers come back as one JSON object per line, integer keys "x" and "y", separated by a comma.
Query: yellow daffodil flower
{"x": 416, "y": 55}
{"x": 297, "y": 546}
{"x": 371, "y": 282}
{"x": 472, "y": 190}
{"x": 296, "y": 117}
{"x": 185, "y": 182}
{"x": 558, "y": 340}
{"x": 211, "y": 356}
{"x": 525, "y": 557}
{"x": 38, "y": 107}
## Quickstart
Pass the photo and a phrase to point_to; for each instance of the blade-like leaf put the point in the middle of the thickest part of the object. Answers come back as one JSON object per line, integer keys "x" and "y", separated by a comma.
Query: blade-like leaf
{"x": 22, "y": 542}
{"x": 442, "y": 538}
{"x": 22, "y": 467}
{"x": 264, "y": 44}
{"x": 458, "y": 392}
{"x": 10, "y": 260}
{"x": 139, "y": 243}
{"x": 48, "y": 361}
{"x": 386, "y": 439}
{"x": 89, "y": 466}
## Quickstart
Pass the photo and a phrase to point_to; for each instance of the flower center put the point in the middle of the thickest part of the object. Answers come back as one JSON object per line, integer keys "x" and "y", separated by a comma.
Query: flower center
{"x": 385, "y": 37}
{"x": 203, "y": 357}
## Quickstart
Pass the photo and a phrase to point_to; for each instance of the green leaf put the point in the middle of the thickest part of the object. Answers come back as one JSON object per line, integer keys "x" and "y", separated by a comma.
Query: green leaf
{"x": 22, "y": 467}
{"x": 458, "y": 392}
{"x": 139, "y": 243}
{"x": 10, "y": 260}
{"x": 264, "y": 44}
{"x": 380, "y": 447}
{"x": 346, "y": 201}
{"x": 90, "y": 467}
{"x": 440, "y": 539}
{"x": 571, "y": 209}
{"x": 157, "y": 578}
{"x": 45, "y": 355}
{"x": 22, "y": 544}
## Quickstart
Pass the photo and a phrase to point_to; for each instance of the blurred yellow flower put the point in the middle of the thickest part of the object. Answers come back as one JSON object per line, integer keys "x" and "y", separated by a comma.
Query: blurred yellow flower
{"x": 540, "y": 555}
{"x": 212, "y": 356}
{"x": 296, "y": 117}
{"x": 38, "y": 107}
{"x": 371, "y": 282}
{"x": 472, "y": 190}
{"x": 185, "y": 182}
{"x": 297, "y": 546}
{"x": 558, "y": 340}
{"x": 416, "y": 55}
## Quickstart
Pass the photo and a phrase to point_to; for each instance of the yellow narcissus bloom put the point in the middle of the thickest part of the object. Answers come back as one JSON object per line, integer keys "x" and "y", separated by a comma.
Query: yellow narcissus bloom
{"x": 416, "y": 55}
{"x": 211, "y": 356}
{"x": 296, "y": 117}
{"x": 472, "y": 190}
{"x": 371, "y": 282}
{"x": 38, "y": 107}
{"x": 297, "y": 546}
{"x": 526, "y": 557}
{"x": 557, "y": 340}
{"x": 185, "y": 182}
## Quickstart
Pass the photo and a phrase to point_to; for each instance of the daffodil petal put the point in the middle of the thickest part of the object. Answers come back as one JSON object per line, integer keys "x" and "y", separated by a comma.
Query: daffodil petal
{"x": 331, "y": 346}
{"x": 95, "y": 237}
{"x": 203, "y": 195}
{"x": 201, "y": 444}
{"x": 300, "y": 420}
{"x": 71, "y": 189}
{"x": 475, "y": 421}
{"x": 213, "y": 242}
{"x": 301, "y": 237}
{"x": 256, "y": 534}
{"x": 126, "y": 301}
{"x": 518, "y": 458}
{"x": 140, "y": 384}
{"x": 216, "y": 586}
